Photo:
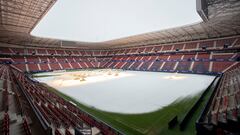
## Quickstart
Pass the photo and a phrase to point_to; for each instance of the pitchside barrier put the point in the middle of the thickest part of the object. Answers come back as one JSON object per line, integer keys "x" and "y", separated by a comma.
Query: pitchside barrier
{"x": 189, "y": 114}
{"x": 173, "y": 122}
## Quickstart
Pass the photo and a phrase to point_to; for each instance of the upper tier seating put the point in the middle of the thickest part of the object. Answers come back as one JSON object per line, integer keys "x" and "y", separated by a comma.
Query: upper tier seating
{"x": 195, "y": 45}
{"x": 179, "y": 57}
{"x": 198, "y": 62}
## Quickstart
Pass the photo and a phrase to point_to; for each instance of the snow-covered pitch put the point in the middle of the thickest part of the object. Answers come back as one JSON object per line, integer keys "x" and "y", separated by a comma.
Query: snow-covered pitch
{"x": 130, "y": 92}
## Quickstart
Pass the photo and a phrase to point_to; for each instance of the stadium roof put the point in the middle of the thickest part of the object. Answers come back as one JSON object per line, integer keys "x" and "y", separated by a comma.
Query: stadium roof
{"x": 19, "y": 17}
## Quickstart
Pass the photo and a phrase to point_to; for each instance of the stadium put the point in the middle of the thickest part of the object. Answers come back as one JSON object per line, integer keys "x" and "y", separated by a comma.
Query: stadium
{"x": 183, "y": 80}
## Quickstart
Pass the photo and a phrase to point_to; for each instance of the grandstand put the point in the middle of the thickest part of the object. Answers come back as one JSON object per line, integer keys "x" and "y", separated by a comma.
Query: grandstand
{"x": 222, "y": 113}
{"x": 210, "y": 47}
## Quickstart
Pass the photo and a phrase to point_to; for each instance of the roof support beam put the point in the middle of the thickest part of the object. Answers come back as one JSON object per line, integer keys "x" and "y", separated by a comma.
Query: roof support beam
{"x": 18, "y": 13}
{"x": 9, "y": 24}
{"x": 50, "y": 4}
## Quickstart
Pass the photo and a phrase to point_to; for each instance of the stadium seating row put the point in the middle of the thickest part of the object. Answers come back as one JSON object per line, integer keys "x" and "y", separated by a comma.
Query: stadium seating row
{"x": 26, "y": 127}
{"x": 224, "y": 110}
{"x": 230, "y": 42}
{"x": 60, "y": 115}
{"x": 193, "y": 57}
{"x": 5, "y": 127}
{"x": 9, "y": 107}
{"x": 197, "y": 62}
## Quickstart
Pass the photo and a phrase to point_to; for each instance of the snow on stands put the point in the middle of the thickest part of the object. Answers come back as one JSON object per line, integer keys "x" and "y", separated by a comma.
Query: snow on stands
{"x": 127, "y": 91}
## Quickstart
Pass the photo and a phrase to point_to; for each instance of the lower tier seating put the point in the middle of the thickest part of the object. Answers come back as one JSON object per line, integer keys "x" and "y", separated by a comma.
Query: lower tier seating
{"x": 54, "y": 112}
{"x": 222, "y": 115}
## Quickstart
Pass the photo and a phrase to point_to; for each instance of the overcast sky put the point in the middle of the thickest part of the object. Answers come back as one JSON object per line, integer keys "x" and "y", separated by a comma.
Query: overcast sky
{"x": 102, "y": 20}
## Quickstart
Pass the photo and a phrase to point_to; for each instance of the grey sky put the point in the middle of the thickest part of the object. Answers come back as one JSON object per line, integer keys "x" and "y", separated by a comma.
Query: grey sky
{"x": 102, "y": 20}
